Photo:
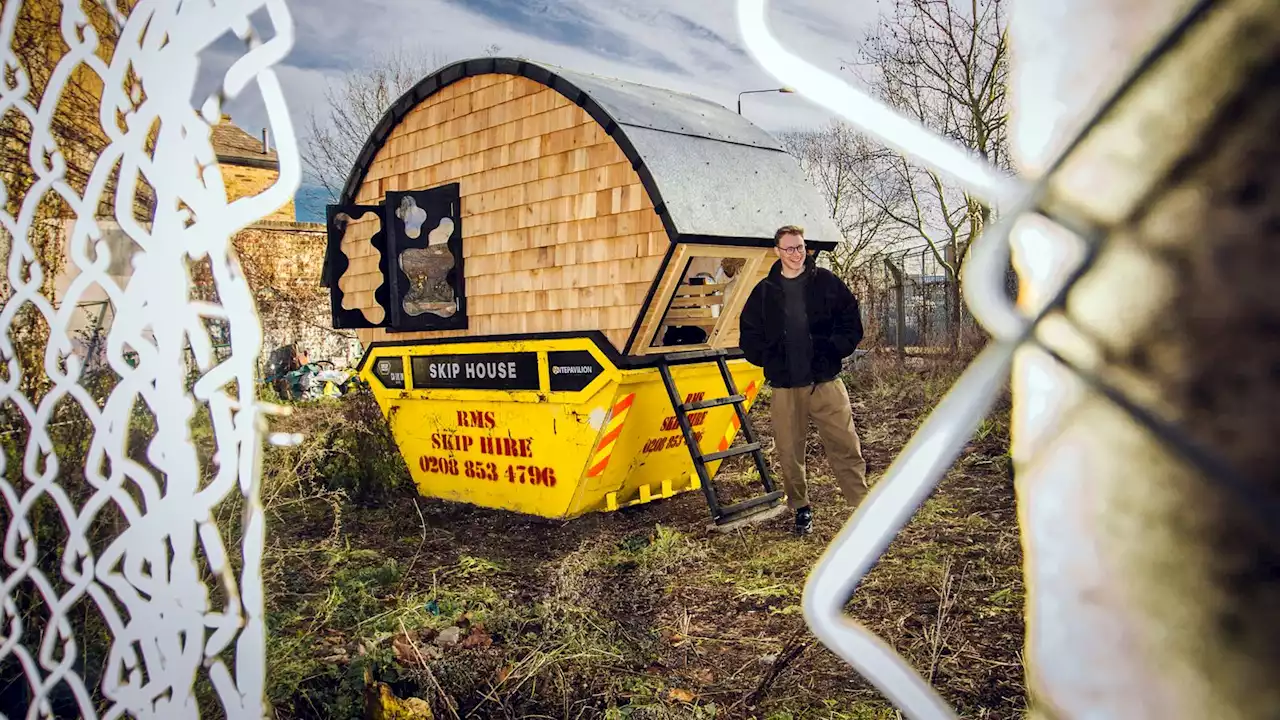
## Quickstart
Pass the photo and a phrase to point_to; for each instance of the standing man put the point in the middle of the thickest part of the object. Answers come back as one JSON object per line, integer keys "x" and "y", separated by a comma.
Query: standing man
{"x": 799, "y": 324}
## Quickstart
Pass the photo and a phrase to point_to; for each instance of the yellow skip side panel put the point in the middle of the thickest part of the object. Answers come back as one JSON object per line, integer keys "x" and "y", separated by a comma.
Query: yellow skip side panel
{"x": 535, "y": 449}
{"x": 651, "y": 457}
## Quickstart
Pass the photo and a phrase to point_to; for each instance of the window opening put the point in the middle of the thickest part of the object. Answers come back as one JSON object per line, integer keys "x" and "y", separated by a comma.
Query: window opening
{"x": 702, "y": 304}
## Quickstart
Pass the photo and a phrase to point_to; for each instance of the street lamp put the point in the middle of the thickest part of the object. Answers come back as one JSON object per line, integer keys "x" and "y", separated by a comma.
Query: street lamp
{"x": 748, "y": 92}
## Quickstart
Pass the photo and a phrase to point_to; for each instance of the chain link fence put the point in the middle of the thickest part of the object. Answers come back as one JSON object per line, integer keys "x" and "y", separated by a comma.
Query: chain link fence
{"x": 911, "y": 301}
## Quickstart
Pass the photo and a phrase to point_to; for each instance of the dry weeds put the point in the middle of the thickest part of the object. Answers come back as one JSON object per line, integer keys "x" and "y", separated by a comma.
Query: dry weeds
{"x": 643, "y": 613}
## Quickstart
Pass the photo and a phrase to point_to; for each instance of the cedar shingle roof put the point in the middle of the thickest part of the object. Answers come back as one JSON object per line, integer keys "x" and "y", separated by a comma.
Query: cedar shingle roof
{"x": 234, "y": 146}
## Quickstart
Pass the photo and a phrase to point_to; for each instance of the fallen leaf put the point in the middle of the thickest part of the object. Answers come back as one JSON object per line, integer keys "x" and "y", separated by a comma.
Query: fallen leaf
{"x": 476, "y": 639}
{"x": 704, "y": 676}
{"x": 679, "y": 695}
{"x": 504, "y": 673}
{"x": 404, "y": 650}
{"x": 382, "y": 704}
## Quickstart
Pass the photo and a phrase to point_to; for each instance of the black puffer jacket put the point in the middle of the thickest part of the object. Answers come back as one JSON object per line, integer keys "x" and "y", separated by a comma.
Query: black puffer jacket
{"x": 835, "y": 325}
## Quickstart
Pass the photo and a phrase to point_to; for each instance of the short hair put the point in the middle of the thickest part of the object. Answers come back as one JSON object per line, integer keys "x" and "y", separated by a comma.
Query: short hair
{"x": 787, "y": 230}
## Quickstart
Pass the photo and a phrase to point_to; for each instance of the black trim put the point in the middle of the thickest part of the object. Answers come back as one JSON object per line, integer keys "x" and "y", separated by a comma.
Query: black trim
{"x": 337, "y": 263}
{"x": 436, "y": 203}
{"x": 819, "y": 245}
{"x": 461, "y": 70}
{"x": 464, "y": 69}
{"x": 620, "y": 361}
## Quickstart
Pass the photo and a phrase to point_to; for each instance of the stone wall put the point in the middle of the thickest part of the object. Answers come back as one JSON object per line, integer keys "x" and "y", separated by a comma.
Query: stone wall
{"x": 282, "y": 261}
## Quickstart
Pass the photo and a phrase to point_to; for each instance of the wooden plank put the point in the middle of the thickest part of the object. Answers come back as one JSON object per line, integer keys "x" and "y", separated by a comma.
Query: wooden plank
{"x": 688, "y": 314}
{"x": 670, "y": 279}
{"x": 693, "y": 290}
{"x": 705, "y": 323}
{"x": 679, "y": 302}
{"x": 750, "y": 275}
{"x": 627, "y": 247}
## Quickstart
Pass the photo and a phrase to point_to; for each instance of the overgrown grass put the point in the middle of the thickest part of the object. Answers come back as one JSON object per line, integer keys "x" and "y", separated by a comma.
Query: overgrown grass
{"x": 641, "y": 614}
{"x": 636, "y": 614}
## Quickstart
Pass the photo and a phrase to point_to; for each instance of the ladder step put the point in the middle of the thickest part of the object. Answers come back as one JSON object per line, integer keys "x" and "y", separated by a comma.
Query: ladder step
{"x": 731, "y": 452}
{"x": 704, "y": 404}
{"x": 679, "y": 357}
{"x": 728, "y": 512}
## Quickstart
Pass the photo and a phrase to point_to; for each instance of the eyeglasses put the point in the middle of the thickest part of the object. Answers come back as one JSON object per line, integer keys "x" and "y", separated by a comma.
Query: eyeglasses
{"x": 795, "y": 250}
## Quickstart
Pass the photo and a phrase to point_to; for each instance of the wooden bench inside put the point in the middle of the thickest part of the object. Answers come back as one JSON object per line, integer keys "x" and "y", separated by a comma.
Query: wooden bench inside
{"x": 694, "y": 306}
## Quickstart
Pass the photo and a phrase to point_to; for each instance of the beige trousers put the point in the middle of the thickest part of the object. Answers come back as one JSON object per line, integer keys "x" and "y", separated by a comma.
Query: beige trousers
{"x": 827, "y": 404}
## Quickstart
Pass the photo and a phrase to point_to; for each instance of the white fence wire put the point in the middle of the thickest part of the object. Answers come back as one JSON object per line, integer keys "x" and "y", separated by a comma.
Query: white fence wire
{"x": 926, "y": 458}
{"x": 119, "y": 596}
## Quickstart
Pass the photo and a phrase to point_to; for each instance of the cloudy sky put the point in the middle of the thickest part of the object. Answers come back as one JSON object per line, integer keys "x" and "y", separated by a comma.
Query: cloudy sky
{"x": 688, "y": 45}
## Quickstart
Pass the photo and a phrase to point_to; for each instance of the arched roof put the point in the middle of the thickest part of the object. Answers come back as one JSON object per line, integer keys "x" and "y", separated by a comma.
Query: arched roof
{"x": 709, "y": 172}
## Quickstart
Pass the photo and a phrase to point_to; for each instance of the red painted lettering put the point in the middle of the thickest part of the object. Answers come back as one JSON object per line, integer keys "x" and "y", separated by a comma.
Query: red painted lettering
{"x": 695, "y": 419}
{"x": 476, "y": 419}
{"x": 508, "y": 447}
{"x": 451, "y": 442}
{"x": 530, "y": 475}
{"x": 438, "y": 466}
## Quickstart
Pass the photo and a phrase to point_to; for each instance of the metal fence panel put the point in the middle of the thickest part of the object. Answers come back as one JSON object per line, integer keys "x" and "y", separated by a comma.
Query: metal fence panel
{"x": 120, "y": 594}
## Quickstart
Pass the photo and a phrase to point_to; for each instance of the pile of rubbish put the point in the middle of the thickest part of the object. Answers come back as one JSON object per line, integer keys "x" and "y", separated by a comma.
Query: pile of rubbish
{"x": 295, "y": 377}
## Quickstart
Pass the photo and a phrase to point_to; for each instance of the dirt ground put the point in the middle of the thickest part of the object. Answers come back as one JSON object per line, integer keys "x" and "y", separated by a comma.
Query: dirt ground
{"x": 646, "y": 613}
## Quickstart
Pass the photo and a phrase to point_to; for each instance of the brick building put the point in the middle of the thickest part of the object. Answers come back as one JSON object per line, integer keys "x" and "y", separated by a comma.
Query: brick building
{"x": 248, "y": 164}
{"x": 281, "y": 258}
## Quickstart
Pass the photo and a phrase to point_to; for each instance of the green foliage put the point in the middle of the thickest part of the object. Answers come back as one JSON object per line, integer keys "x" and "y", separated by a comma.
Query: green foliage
{"x": 347, "y": 447}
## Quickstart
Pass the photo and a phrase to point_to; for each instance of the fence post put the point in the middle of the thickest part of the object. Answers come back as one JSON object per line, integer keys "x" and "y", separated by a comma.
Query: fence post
{"x": 953, "y": 295}
{"x": 899, "y": 298}
{"x": 1147, "y": 478}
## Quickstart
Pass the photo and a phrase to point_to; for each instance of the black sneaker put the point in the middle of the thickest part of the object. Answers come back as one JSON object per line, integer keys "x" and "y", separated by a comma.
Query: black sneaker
{"x": 804, "y": 521}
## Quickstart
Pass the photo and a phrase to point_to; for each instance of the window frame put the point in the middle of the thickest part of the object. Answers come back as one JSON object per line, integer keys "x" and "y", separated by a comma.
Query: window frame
{"x": 438, "y": 202}
{"x": 724, "y": 333}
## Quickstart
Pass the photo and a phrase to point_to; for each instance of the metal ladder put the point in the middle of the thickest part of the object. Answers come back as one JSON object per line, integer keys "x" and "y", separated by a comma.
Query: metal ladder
{"x": 747, "y": 509}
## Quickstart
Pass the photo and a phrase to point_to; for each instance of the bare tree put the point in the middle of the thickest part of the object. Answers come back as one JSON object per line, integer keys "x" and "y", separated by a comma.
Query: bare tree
{"x": 842, "y": 164}
{"x": 353, "y": 106}
{"x": 946, "y": 63}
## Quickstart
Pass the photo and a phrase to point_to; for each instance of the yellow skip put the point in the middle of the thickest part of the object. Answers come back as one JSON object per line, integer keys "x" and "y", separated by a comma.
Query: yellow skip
{"x": 549, "y": 427}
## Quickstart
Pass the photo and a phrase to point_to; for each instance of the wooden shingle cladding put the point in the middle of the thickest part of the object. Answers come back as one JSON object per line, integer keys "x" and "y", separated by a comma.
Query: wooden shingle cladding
{"x": 559, "y": 234}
